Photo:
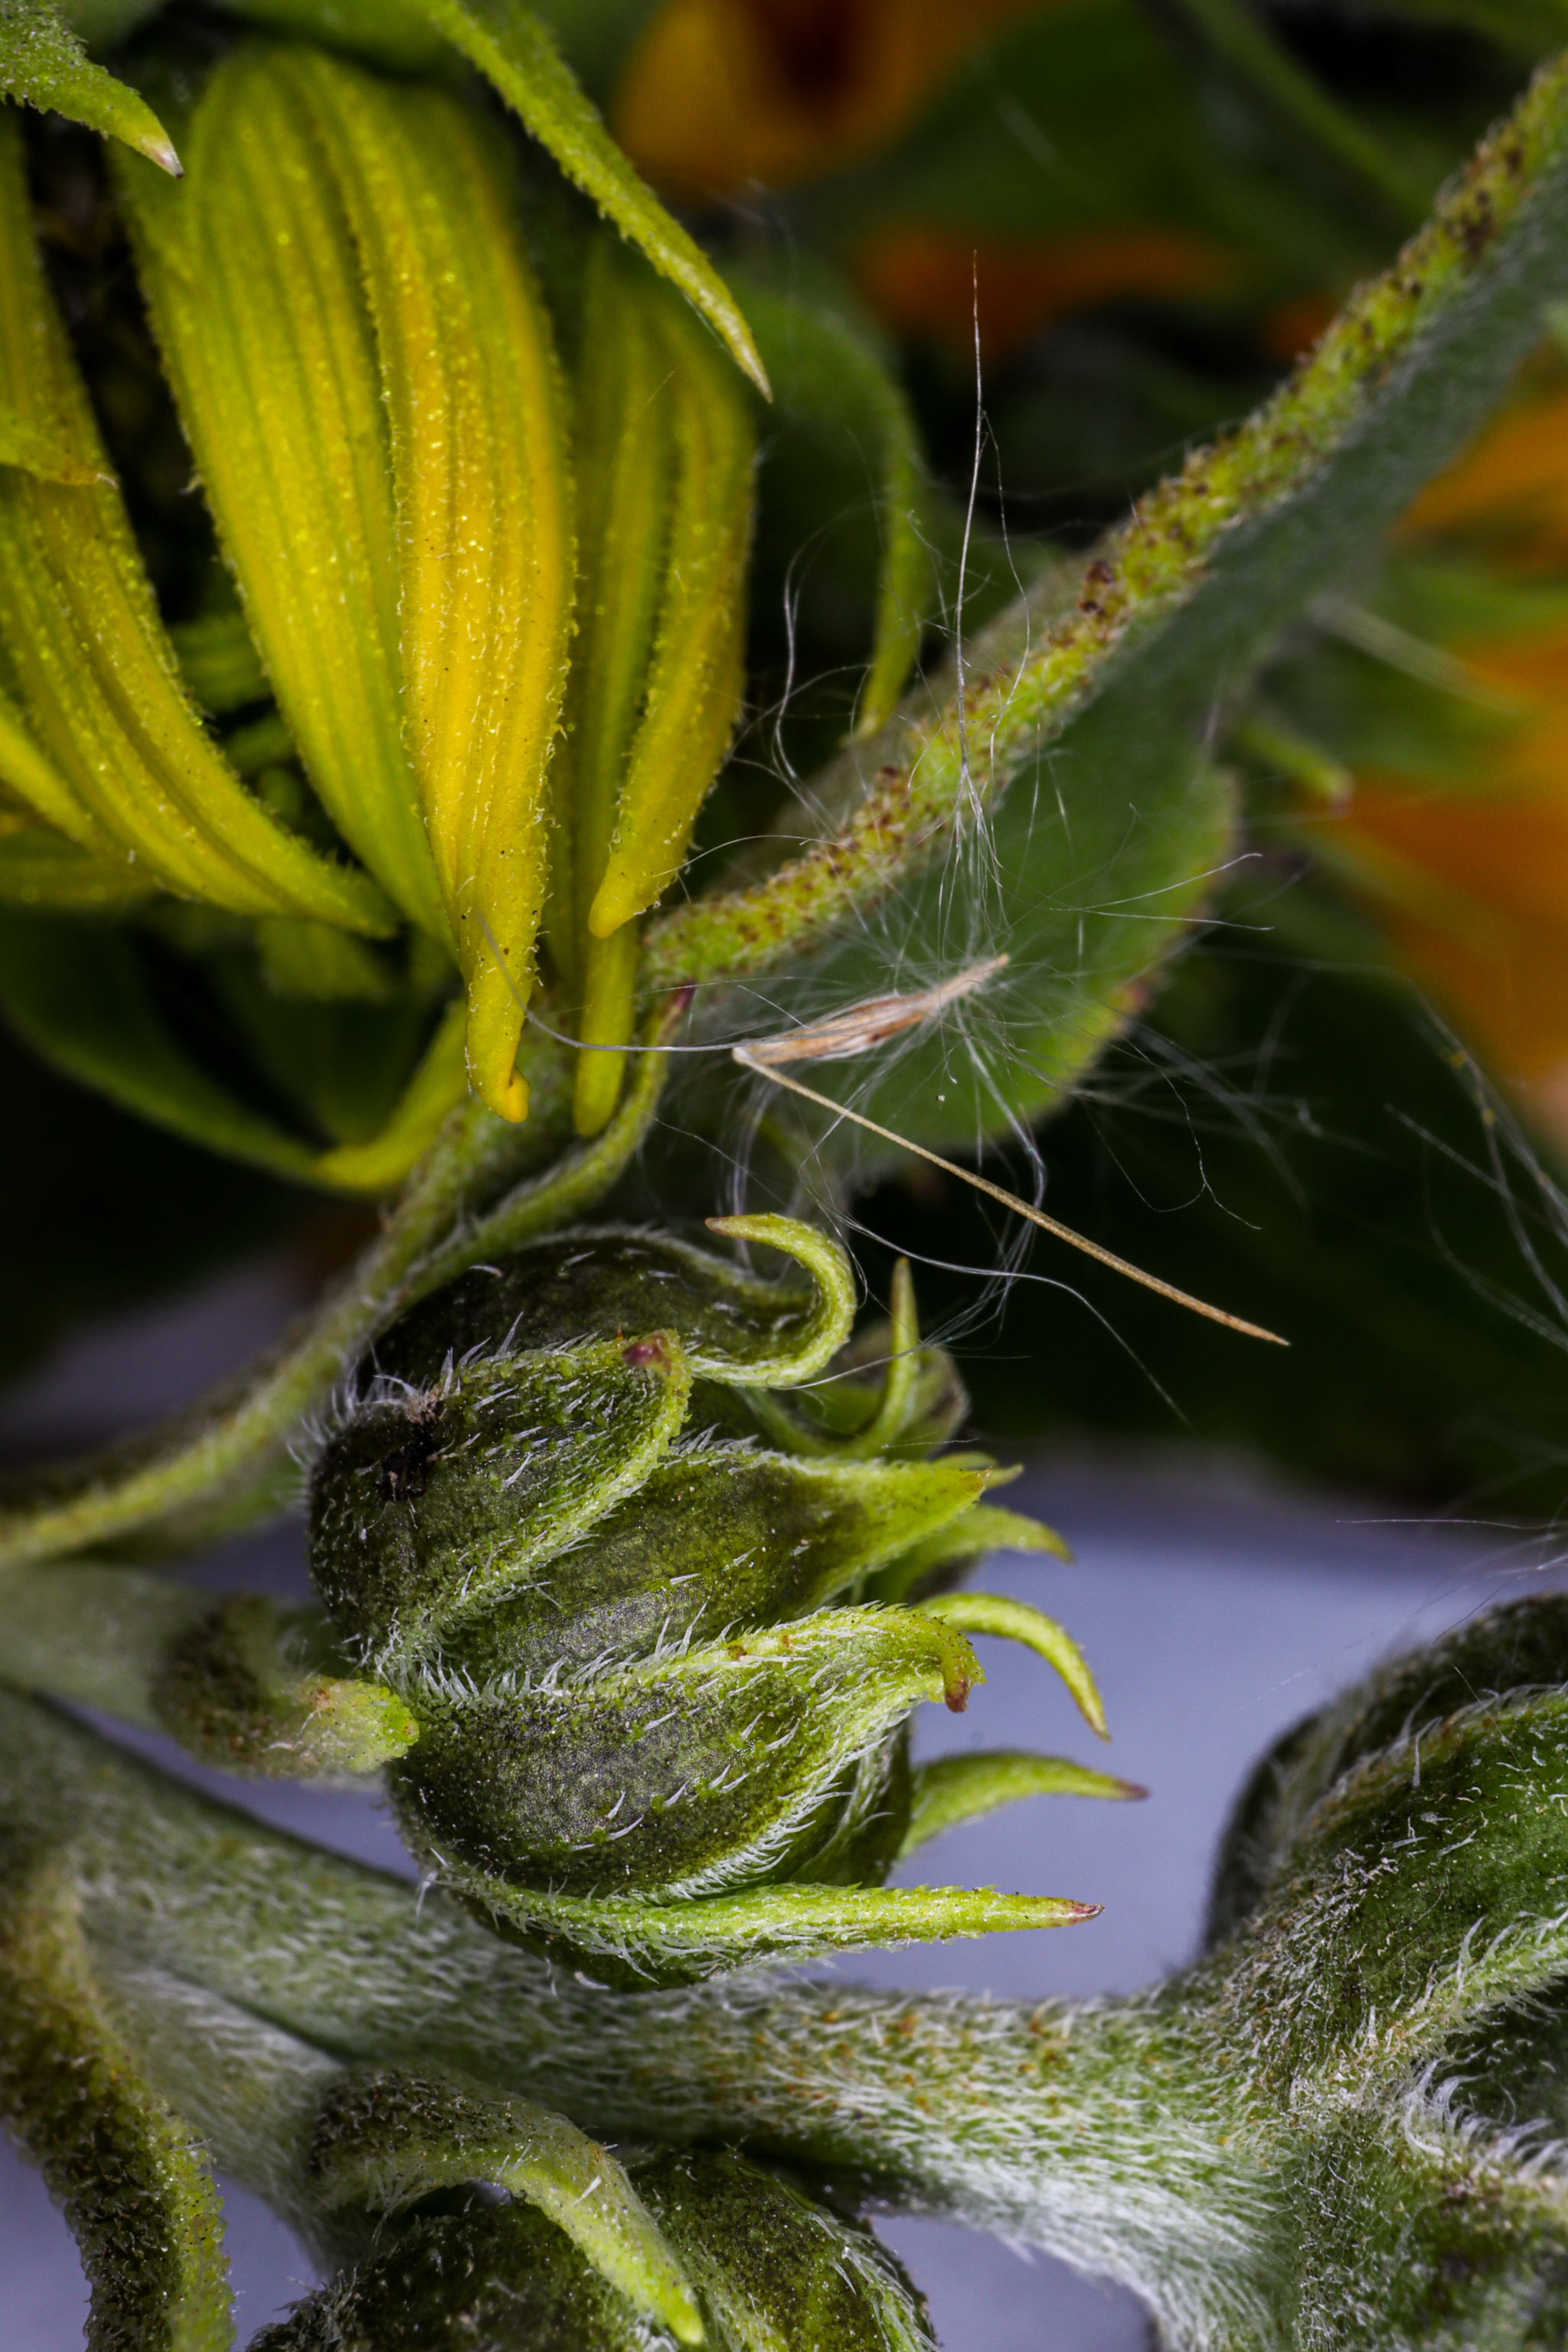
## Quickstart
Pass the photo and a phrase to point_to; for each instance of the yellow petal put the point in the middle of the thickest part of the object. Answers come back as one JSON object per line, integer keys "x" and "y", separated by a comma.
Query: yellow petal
{"x": 696, "y": 676}
{"x": 626, "y": 483}
{"x": 255, "y": 289}
{"x": 88, "y": 666}
{"x": 474, "y": 399}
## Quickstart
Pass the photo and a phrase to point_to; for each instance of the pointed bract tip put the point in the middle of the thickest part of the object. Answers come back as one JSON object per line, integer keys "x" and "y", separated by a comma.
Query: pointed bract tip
{"x": 160, "y": 151}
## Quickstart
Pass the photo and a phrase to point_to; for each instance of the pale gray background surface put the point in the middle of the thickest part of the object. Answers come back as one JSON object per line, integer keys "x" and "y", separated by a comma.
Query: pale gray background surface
{"x": 1214, "y": 1613}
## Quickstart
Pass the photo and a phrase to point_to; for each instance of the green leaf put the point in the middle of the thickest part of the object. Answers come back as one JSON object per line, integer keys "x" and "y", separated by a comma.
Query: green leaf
{"x": 829, "y": 369}
{"x": 1065, "y": 810}
{"x": 385, "y": 2140}
{"x": 141, "y": 2205}
{"x": 958, "y": 1788}
{"x": 1243, "y": 40}
{"x": 78, "y": 995}
{"x": 43, "y": 64}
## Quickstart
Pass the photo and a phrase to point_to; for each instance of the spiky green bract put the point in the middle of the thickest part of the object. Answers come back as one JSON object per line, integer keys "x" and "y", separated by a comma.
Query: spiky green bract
{"x": 44, "y": 64}
{"x": 1080, "y": 724}
{"x": 647, "y": 1739}
{"x": 1338, "y": 2129}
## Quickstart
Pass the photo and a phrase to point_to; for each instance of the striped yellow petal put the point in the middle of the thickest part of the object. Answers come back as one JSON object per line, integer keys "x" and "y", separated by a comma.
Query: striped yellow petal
{"x": 475, "y": 404}
{"x": 695, "y": 676}
{"x": 91, "y": 677}
{"x": 626, "y": 466}
{"x": 256, "y": 299}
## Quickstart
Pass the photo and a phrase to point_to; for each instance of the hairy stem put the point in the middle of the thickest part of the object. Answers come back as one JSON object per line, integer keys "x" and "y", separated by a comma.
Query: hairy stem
{"x": 224, "y": 1460}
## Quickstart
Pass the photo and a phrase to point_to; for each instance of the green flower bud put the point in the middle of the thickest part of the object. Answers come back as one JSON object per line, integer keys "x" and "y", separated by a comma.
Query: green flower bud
{"x": 773, "y": 2268}
{"x": 650, "y": 1667}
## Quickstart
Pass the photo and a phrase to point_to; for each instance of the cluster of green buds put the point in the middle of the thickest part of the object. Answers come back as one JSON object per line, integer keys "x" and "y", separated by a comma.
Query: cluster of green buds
{"x": 473, "y": 655}
{"x": 634, "y": 1567}
{"x": 659, "y": 1632}
{"x": 1342, "y": 2124}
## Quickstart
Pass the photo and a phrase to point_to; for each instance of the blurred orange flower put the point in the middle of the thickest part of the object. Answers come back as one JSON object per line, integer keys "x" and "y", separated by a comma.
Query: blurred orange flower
{"x": 1466, "y": 870}
{"x": 934, "y": 283}
{"x": 722, "y": 95}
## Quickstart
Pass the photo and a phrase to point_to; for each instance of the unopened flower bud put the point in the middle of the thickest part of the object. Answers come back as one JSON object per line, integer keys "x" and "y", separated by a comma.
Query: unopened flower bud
{"x": 653, "y": 1623}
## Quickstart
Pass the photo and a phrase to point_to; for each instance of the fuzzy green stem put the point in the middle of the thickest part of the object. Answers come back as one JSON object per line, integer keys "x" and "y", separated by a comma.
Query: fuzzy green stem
{"x": 224, "y": 1460}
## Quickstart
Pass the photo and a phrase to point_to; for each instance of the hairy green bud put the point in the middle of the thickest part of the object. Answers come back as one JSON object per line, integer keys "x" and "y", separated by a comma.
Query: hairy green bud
{"x": 775, "y": 2270}
{"x": 659, "y": 1630}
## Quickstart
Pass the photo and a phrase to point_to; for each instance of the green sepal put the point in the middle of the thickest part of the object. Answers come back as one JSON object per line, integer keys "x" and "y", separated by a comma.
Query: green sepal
{"x": 1521, "y": 1647}
{"x": 917, "y": 1404}
{"x": 686, "y": 1774}
{"x": 1015, "y": 1621}
{"x": 1428, "y": 1886}
{"x": 518, "y": 58}
{"x": 437, "y": 1499}
{"x": 239, "y": 1690}
{"x": 734, "y": 1329}
{"x": 777, "y": 2268}
{"x": 44, "y": 64}
{"x": 629, "y": 1944}
{"x": 477, "y": 446}
{"x": 979, "y": 1533}
{"x": 954, "y": 1789}
{"x": 385, "y": 2140}
{"x": 512, "y": 50}
{"x": 140, "y": 2204}
{"x": 717, "y": 1539}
